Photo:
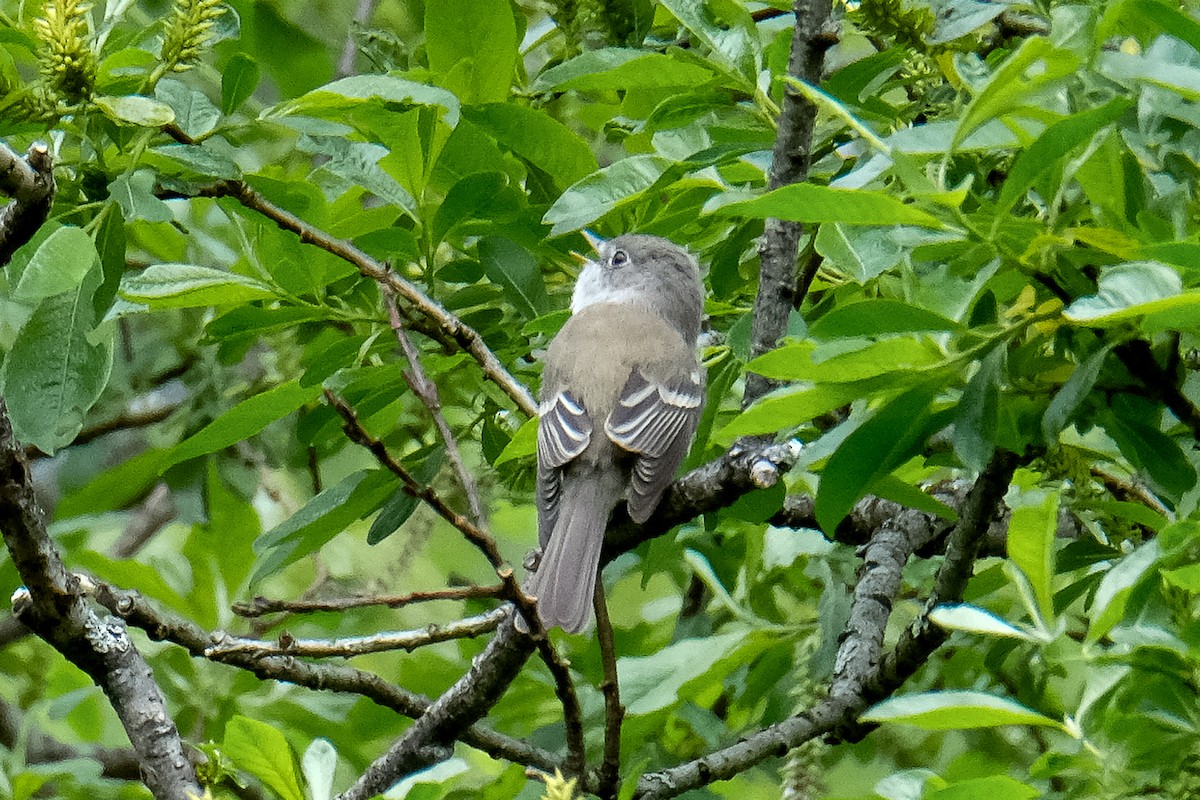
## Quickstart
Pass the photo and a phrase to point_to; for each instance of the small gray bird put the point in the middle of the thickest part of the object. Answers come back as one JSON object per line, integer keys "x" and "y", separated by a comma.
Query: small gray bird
{"x": 621, "y": 398}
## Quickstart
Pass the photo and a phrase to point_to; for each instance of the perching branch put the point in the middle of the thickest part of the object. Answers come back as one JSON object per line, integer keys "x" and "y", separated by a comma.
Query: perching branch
{"x": 779, "y": 290}
{"x": 609, "y": 781}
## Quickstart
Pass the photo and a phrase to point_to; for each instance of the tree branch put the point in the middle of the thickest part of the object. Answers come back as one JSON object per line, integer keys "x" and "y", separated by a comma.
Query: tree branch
{"x": 29, "y": 181}
{"x": 53, "y": 606}
{"x": 463, "y": 335}
{"x": 163, "y": 626}
{"x": 778, "y": 288}
{"x": 431, "y": 738}
{"x": 260, "y": 606}
{"x": 861, "y": 679}
{"x": 609, "y": 780}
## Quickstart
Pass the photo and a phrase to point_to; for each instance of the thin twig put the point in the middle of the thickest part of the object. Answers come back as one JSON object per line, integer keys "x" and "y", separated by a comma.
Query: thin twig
{"x": 260, "y": 606}
{"x": 414, "y": 488}
{"x": 362, "y": 15}
{"x": 462, "y": 334}
{"x": 426, "y": 391}
{"x": 609, "y": 781}
{"x": 564, "y": 689}
{"x": 165, "y": 626}
{"x": 348, "y": 646}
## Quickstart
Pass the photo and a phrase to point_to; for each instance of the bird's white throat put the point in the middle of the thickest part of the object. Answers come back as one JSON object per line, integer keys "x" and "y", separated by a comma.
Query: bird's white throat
{"x": 592, "y": 288}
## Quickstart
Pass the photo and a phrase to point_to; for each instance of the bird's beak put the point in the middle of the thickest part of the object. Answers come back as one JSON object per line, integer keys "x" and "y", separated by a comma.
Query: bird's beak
{"x": 595, "y": 241}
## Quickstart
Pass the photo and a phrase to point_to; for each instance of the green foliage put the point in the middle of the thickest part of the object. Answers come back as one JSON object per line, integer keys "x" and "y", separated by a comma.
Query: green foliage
{"x": 1007, "y": 235}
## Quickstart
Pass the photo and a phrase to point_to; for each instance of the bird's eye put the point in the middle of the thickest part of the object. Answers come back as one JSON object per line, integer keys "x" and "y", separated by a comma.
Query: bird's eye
{"x": 619, "y": 259}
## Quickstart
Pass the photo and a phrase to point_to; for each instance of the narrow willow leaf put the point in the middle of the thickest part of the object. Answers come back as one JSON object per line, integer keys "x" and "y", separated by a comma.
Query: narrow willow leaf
{"x": 239, "y": 79}
{"x": 1055, "y": 142}
{"x": 57, "y": 368}
{"x": 189, "y": 286}
{"x": 972, "y": 619}
{"x": 516, "y": 271}
{"x": 1126, "y": 291}
{"x": 878, "y": 446}
{"x": 246, "y": 419}
{"x": 602, "y": 191}
{"x": 136, "y": 110}
{"x": 1072, "y": 394}
{"x": 878, "y": 317}
{"x": 538, "y": 138}
{"x": 955, "y": 710}
{"x": 622, "y": 69}
{"x": 806, "y": 202}
{"x": 1108, "y": 605}
{"x": 1031, "y": 534}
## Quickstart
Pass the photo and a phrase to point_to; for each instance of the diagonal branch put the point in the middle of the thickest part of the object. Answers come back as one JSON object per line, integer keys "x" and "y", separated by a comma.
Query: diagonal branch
{"x": 779, "y": 289}
{"x": 462, "y": 334}
{"x": 29, "y": 181}
{"x": 861, "y": 679}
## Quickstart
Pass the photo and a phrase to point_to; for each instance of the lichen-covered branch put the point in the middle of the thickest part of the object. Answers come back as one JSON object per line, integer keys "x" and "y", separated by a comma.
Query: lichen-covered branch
{"x": 29, "y": 181}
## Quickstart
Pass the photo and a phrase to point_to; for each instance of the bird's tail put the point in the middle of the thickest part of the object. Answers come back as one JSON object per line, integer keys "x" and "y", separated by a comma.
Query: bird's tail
{"x": 566, "y": 577}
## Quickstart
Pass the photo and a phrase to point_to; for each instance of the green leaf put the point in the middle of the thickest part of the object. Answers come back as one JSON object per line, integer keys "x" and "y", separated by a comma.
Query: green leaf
{"x": 472, "y": 47}
{"x": 322, "y": 518}
{"x": 1031, "y": 532}
{"x": 195, "y": 114}
{"x": 1035, "y": 65}
{"x": 785, "y": 409}
{"x": 262, "y": 750}
{"x": 110, "y": 244}
{"x": 1136, "y": 289}
{"x": 806, "y": 202}
{"x": 978, "y": 413}
{"x": 993, "y": 787}
{"x": 1072, "y": 394}
{"x": 602, "y": 191}
{"x": 891, "y": 487}
{"x": 522, "y": 445}
{"x": 803, "y": 361}
{"x": 189, "y": 286}
{"x": 538, "y": 138}
{"x": 615, "y": 68}
{"x": 878, "y": 317}
{"x": 878, "y": 446}
{"x": 117, "y": 487}
{"x": 201, "y": 159}
{"x": 57, "y": 266}
{"x": 1153, "y": 452}
{"x": 56, "y": 369}
{"x": 516, "y": 271}
{"x": 659, "y": 681}
{"x": 1055, "y": 142}
{"x": 424, "y": 466}
{"x": 239, "y": 79}
{"x": 481, "y": 196}
{"x": 727, "y": 30}
{"x": 955, "y": 710}
{"x": 357, "y": 164}
{"x": 136, "y": 110}
{"x": 1112, "y": 595}
{"x": 337, "y": 98}
{"x": 135, "y": 194}
{"x": 246, "y": 419}
{"x": 972, "y": 619}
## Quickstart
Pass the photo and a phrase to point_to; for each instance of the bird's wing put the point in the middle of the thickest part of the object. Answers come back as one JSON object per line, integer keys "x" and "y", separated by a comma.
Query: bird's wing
{"x": 655, "y": 421}
{"x": 564, "y": 430}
